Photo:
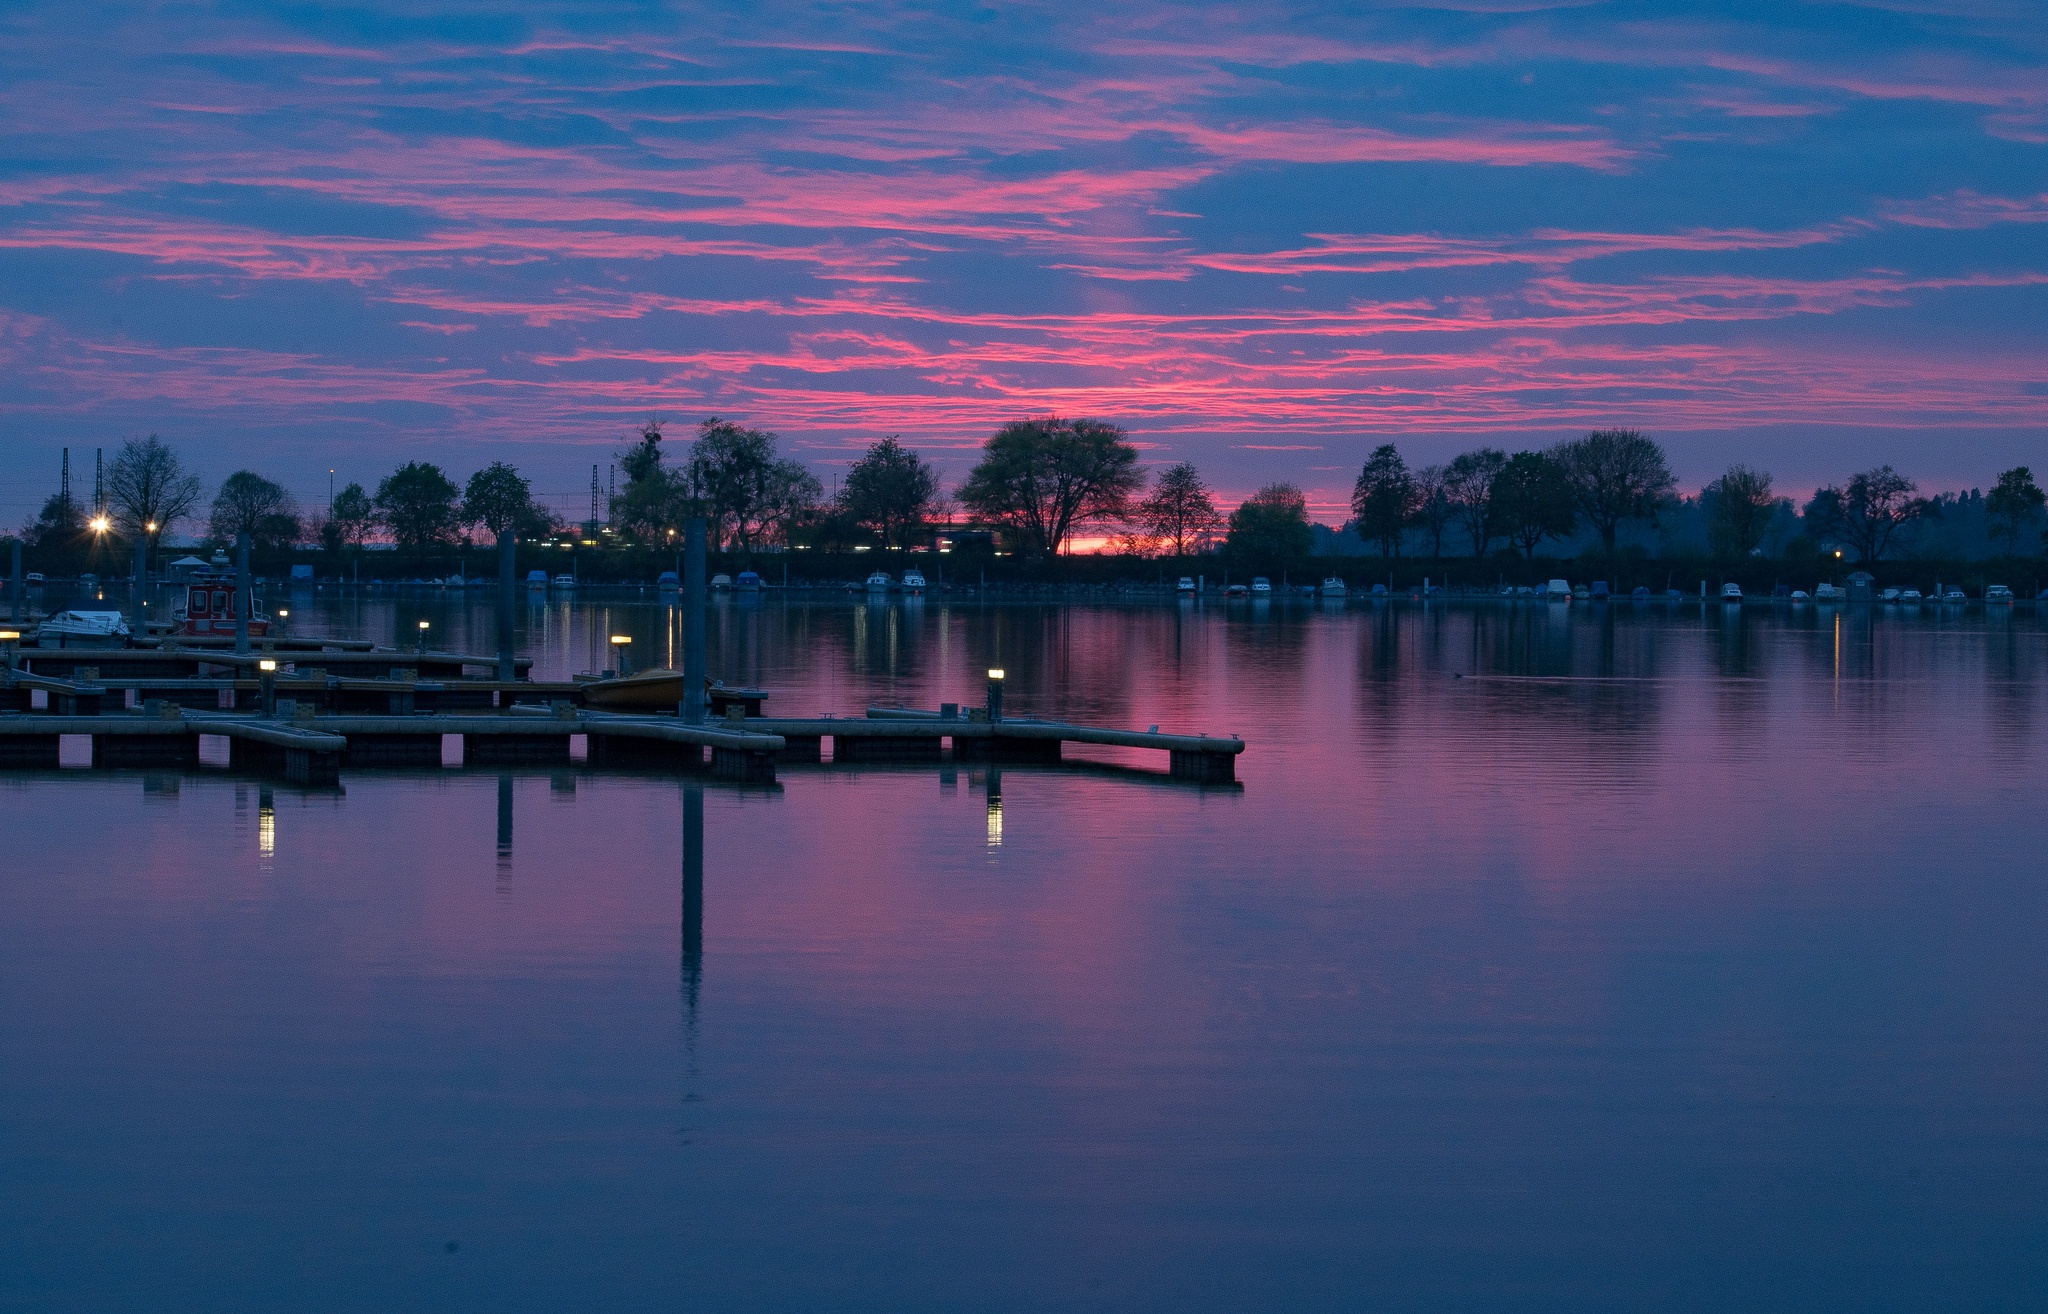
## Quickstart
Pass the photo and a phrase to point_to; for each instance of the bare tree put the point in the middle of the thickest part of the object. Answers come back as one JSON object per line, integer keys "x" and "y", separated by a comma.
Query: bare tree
{"x": 1468, "y": 487}
{"x": 1433, "y": 510}
{"x": 1867, "y": 513}
{"x": 149, "y": 489}
{"x": 1615, "y": 475}
{"x": 1180, "y": 513}
{"x": 1743, "y": 507}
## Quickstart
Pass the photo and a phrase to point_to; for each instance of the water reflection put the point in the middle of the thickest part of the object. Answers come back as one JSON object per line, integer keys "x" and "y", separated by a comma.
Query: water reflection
{"x": 693, "y": 904}
{"x": 1539, "y": 940}
{"x": 504, "y": 827}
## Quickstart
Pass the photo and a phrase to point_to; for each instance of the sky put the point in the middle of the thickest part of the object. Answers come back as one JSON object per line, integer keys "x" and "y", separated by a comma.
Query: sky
{"x": 1264, "y": 238}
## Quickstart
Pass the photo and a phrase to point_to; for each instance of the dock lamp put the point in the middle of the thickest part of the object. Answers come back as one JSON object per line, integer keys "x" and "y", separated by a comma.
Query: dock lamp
{"x": 423, "y": 635}
{"x": 282, "y": 616}
{"x": 266, "y": 679}
{"x": 9, "y": 640}
{"x": 995, "y": 694}
{"x": 622, "y": 652}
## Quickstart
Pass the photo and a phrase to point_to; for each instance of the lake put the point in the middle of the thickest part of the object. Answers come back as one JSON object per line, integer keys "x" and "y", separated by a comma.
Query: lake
{"x": 1594, "y": 958}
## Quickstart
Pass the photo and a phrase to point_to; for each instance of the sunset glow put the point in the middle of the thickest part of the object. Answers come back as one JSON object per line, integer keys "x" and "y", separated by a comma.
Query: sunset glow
{"x": 1262, "y": 240}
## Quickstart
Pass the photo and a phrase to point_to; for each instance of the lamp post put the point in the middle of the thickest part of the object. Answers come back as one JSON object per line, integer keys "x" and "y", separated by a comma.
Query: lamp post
{"x": 8, "y": 641}
{"x": 283, "y": 616}
{"x": 266, "y": 679}
{"x": 622, "y": 653}
{"x": 995, "y": 694}
{"x": 423, "y": 637}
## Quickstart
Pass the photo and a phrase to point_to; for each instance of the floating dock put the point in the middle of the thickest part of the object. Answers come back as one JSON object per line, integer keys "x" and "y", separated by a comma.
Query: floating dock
{"x": 316, "y": 711}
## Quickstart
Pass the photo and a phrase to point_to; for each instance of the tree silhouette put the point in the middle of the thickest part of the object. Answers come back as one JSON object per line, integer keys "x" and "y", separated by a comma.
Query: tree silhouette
{"x": 1039, "y": 478}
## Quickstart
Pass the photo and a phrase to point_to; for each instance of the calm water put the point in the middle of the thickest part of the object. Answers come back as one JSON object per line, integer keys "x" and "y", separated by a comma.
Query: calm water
{"x": 1662, "y": 961}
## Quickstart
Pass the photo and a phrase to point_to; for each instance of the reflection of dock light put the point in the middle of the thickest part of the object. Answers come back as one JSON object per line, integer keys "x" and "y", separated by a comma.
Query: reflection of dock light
{"x": 995, "y": 821}
{"x": 266, "y": 830}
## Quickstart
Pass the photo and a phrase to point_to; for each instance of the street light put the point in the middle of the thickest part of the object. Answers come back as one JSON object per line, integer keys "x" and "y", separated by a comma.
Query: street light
{"x": 266, "y": 682}
{"x": 621, "y": 655}
{"x": 283, "y": 615}
{"x": 100, "y": 524}
{"x": 423, "y": 636}
{"x": 8, "y": 638}
{"x": 995, "y": 694}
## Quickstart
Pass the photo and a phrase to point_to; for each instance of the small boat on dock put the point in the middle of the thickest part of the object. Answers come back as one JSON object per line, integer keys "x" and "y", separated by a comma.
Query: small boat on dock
{"x": 1334, "y": 587}
{"x": 84, "y": 629}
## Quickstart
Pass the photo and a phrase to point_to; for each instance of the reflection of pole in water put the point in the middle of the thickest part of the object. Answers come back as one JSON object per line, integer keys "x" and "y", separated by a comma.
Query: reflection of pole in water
{"x": 693, "y": 899}
{"x": 266, "y": 823}
{"x": 995, "y": 808}
{"x": 505, "y": 824}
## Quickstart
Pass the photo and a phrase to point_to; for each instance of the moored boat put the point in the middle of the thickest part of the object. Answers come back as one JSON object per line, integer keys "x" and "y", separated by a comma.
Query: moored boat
{"x": 913, "y": 581}
{"x": 1334, "y": 587}
{"x": 748, "y": 582}
{"x": 879, "y": 582}
{"x": 84, "y": 629}
{"x": 211, "y": 607}
{"x": 658, "y": 689}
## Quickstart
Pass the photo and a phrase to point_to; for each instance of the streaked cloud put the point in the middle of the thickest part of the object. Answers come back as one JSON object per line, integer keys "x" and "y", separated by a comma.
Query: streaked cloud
{"x": 1257, "y": 237}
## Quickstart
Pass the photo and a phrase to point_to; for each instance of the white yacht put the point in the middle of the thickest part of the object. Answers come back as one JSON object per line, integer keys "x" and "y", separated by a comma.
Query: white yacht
{"x": 1731, "y": 593}
{"x": 1186, "y": 585}
{"x": 565, "y": 581}
{"x": 84, "y": 629}
{"x": 879, "y": 582}
{"x": 1262, "y": 587}
{"x": 1334, "y": 587}
{"x": 913, "y": 581}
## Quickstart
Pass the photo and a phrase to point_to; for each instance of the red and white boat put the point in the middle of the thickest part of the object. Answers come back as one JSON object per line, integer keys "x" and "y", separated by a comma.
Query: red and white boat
{"x": 210, "y": 608}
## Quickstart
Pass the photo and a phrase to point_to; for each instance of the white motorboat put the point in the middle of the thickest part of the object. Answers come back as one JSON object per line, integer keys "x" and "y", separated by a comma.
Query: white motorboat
{"x": 1334, "y": 587}
{"x": 84, "y": 629}
{"x": 1262, "y": 587}
{"x": 721, "y": 583}
{"x": 1731, "y": 593}
{"x": 879, "y": 582}
{"x": 565, "y": 581}
{"x": 1186, "y": 585}
{"x": 913, "y": 581}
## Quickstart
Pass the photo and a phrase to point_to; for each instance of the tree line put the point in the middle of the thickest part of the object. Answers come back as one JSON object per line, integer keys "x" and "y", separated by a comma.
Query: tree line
{"x": 149, "y": 492}
{"x": 1038, "y": 481}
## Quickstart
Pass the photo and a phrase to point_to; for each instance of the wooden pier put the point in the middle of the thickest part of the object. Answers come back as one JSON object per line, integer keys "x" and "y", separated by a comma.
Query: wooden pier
{"x": 384, "y": 708}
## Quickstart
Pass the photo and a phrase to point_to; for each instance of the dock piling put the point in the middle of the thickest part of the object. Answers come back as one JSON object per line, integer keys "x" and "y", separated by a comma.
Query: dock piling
{"x": 692, "y": 708}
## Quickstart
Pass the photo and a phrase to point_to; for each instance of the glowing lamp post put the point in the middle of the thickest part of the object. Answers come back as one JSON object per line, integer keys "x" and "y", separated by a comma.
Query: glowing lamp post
{"x": 622, "y": 652}
{"x": 266, "y": 679}
{"x": 995, "y": 694}
{"x": 8, "y": 640}
{"x": 424, "y": 626}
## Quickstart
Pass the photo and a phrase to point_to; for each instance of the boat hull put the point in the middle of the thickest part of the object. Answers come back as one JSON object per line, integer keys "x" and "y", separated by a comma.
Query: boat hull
{"x": 660, "y": 689}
